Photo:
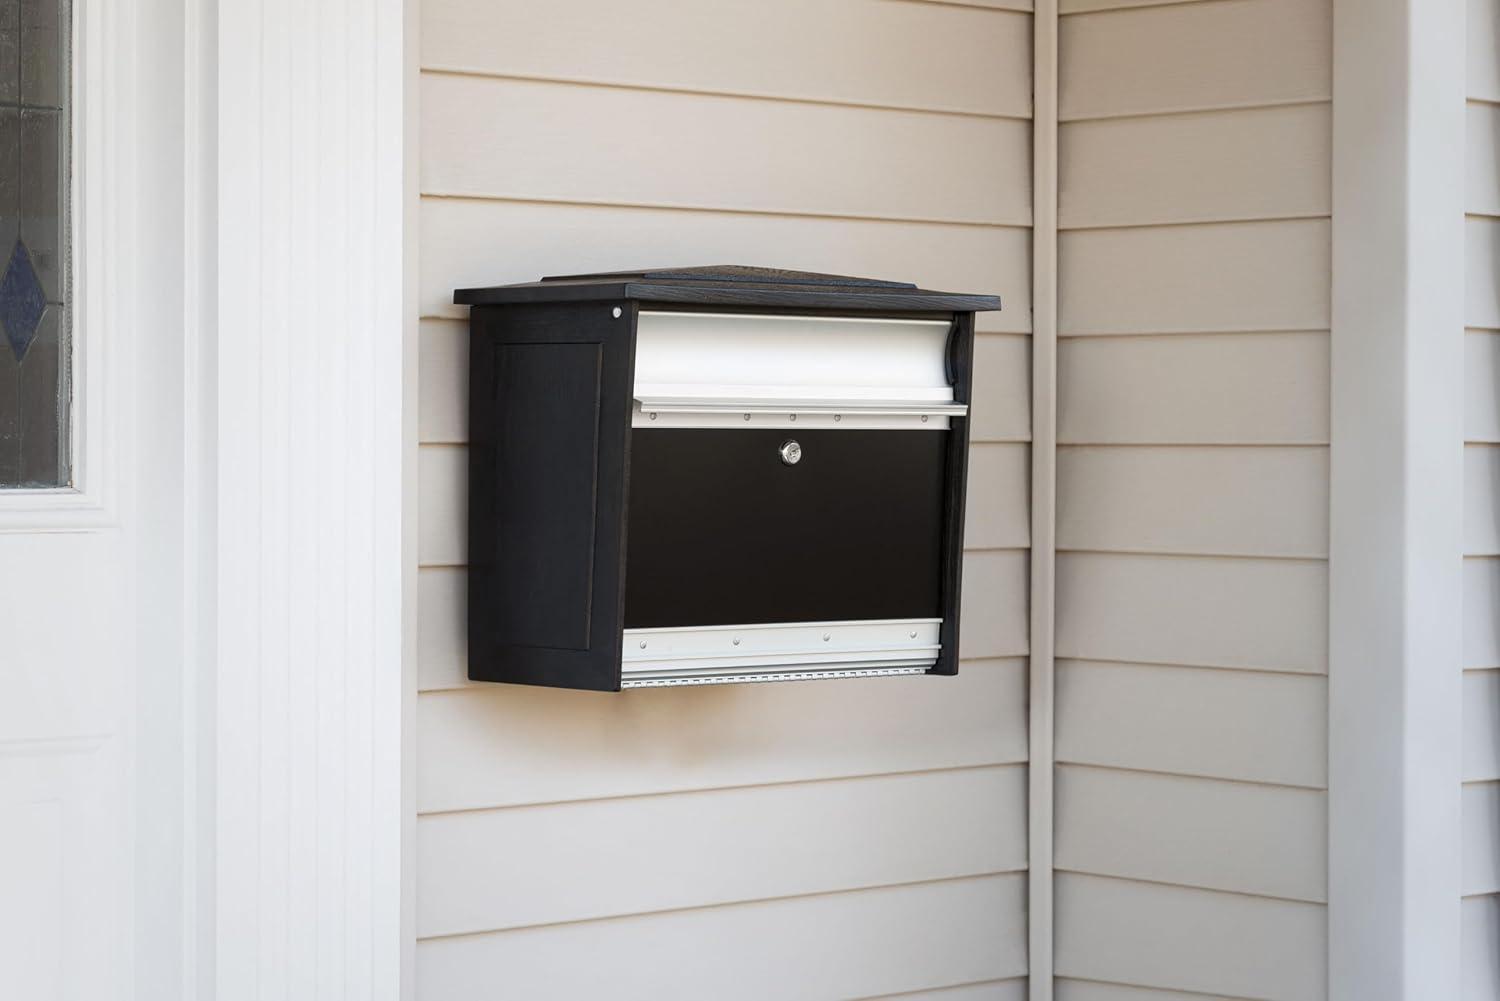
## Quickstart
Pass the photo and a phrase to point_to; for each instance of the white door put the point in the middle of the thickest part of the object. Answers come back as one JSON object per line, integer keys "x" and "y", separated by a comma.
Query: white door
{"x": 93, "y": 775}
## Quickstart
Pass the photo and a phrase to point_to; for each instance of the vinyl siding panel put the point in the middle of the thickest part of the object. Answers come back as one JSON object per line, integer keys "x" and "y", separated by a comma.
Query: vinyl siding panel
{"x": 1235, "y": 836}
{"x": 579, "y": 746}
{"x": 635, "y": 147}
{"x": 1152, "y": 935}
{"x": 723, "y": 846}
{"x": 1195, "y": 56}
{"x": 467, "y": 242}
{"x": 872, "y": 942}
{"x": 1213, "y": 389}
{"x": 973, "y": 61}
{"x": 994, "y": 990}
{"x": 856, "y": 839}
{"x": 1193, "y": 410}
{"x": 1248, "y": 726}
{"x": 1480, "y": 950}
{"x": 1195, "y": 279}
{"x": 1201, "y": 167}
{"x": 1193, "y": 611}
{"x": 1483, "y": 32}
{"x": 1193, "y": 500}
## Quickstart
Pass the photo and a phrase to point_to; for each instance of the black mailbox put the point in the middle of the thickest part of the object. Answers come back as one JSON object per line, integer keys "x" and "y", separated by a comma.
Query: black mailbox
{"x": 711, "y": 475}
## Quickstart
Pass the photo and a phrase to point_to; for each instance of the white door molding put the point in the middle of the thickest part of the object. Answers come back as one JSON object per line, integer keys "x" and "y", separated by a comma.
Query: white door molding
{"x": 1395, "y": 558}
{"x": 310, "y": 349}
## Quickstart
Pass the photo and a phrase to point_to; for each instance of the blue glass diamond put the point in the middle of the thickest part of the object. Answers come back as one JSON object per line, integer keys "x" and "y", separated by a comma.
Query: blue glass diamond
{"x": 22, "y": 301}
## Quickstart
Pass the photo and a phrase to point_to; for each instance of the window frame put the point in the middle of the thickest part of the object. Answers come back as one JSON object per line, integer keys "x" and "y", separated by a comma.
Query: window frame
{"x": 101, "y": 173}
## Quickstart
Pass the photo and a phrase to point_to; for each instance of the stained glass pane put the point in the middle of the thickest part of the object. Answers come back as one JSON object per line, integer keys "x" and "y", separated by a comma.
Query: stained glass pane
{"x": 35, "y": 293}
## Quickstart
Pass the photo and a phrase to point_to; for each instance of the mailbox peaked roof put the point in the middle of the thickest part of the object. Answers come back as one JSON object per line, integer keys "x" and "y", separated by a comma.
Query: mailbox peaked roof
{"x": 731, "y": 285}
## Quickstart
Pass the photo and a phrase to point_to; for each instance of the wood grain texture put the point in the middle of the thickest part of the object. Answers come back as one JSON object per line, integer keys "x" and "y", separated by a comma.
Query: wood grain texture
{"x": 620, "y": 146}
{"x": 490, "y": 746}
{"x": 1196, "y": 56}
{"x": 1194, "y": 611}
{"x": 1243, "y": 725}
{"x": 1480, "y": 958}
{"x": 1236, "y": 836}
{"x": 928, "y": 56}
{"x": 1481, "y": 833}
{"x": 1260, "y": 163}
{"x": 1482, "y": 152}
{"x": 1481, "y": 643}
{"x": 1266, "y": 501}
{"x": 1483, "y": 33}
{"x": 1193, "y": 279}
{"x": 1482, "y": 268}
{"x": 468, "y": 243}
{"x": 872, "y": 942}
{"x": 1190, "y": 940}
{"x": 1482, "y": 386}
{"x": 1212, "y": 389}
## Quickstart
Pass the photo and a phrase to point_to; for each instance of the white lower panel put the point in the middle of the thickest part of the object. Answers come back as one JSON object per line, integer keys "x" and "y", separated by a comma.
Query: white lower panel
{"x": 795, "y": 651}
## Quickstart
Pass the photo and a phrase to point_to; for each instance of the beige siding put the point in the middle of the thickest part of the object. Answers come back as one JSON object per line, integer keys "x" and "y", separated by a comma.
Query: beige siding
{"x": 814, "y": 840}
{"x": 1193, "y": 407}
{"x": 1481, "y": 772}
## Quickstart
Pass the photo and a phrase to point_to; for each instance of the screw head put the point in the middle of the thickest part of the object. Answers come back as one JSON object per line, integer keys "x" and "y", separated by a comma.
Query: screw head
{"x": 826, "y": 637}
{"x": 838, "y": 417}
{"x": 652, "y": 415}
{"x": 616, "y": 312}
{"x": 736, "y": 641}
{"x": 643, "y": 644}
{"x": 924, "y": 418}
{"x": 912, "y": 634}
{"x": 790, "y": 452}
{"x": 747, "y": 417}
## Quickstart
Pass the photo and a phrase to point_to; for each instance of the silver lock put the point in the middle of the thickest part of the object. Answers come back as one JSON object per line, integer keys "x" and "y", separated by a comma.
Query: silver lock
{"x": 791, "y": 452}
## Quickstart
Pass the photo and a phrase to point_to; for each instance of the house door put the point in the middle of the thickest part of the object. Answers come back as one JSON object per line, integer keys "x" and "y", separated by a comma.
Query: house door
{"x": 93, "y": 520}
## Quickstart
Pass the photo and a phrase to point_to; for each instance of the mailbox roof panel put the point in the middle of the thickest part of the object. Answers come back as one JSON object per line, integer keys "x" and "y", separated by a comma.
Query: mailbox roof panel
{"x": 732, "y": 285}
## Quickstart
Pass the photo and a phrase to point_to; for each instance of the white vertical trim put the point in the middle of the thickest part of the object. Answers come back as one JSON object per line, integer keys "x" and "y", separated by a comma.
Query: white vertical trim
{"x": 1395, "y": 558}
{"x": 1043, "y": 494}
{"x": 311, "y": 374}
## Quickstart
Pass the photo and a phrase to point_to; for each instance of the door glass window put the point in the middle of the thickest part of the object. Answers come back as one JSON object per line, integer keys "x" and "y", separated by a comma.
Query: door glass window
{"x": 35, "y": 293}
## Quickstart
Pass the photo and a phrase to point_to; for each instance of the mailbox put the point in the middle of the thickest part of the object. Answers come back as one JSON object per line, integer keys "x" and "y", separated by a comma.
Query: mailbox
{"x": 713, "y": 475}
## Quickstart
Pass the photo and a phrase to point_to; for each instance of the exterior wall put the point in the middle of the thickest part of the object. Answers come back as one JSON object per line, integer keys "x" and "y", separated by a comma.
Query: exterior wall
{"x": 1481, "y": 797}
{"x": 821, "y": 838}
{"x": 1193, "y": 423}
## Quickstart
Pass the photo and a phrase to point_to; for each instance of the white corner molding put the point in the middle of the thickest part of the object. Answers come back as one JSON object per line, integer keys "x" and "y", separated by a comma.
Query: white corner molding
{"x": 1395, "y": 557}
{"x": 308, "y": 693}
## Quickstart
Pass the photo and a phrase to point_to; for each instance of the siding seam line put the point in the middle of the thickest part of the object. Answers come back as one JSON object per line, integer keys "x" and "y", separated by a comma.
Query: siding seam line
{"x": 995, "y": 875}
{"x": 696, "y": 790}
{"x": 1301, "y": 902}
{"x": 1175, "y": 666}
{"x": 1191, "y": 109}
{"x": 1128, "y": 985}
{"x": 475, "y": 73}
{"x": 1066, "y": 763}
{"x": 780, "y": 213}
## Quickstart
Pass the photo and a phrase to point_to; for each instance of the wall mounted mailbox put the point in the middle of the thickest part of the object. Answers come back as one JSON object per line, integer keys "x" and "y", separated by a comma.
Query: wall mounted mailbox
{"x": 713, "y": 475}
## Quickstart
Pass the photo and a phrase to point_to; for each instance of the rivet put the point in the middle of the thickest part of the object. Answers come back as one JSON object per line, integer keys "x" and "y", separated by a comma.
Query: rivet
{"x": 615, "y": 312}
{"x": 912, "y": 634}
{"x": 643, "y": 644}
{"x": 653, "y": 416}
{"x": 747, "y": 417}
{"x": 736, "y": 641}
{"x": 792, "y": 417}
{"x": 924, "y": 418}
{"x": 838, "y": 417}
{"x": 825, "y": 637}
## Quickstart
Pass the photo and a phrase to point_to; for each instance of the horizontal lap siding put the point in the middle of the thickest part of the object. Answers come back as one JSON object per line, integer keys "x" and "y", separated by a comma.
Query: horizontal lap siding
{"x": 1193, "y": 411}
{"x": 820, "y": 839}
{"x": 1481, "y": 661}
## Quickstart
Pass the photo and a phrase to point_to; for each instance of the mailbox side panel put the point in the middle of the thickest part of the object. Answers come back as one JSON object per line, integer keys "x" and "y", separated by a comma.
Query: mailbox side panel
{"x": 961, "y": 358}
{"x": 549, "y": 408}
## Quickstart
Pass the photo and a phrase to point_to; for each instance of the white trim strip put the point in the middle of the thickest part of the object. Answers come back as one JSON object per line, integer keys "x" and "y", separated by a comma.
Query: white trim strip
{"x": 751, "y": 652}
{"x": 720, "y": 679}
